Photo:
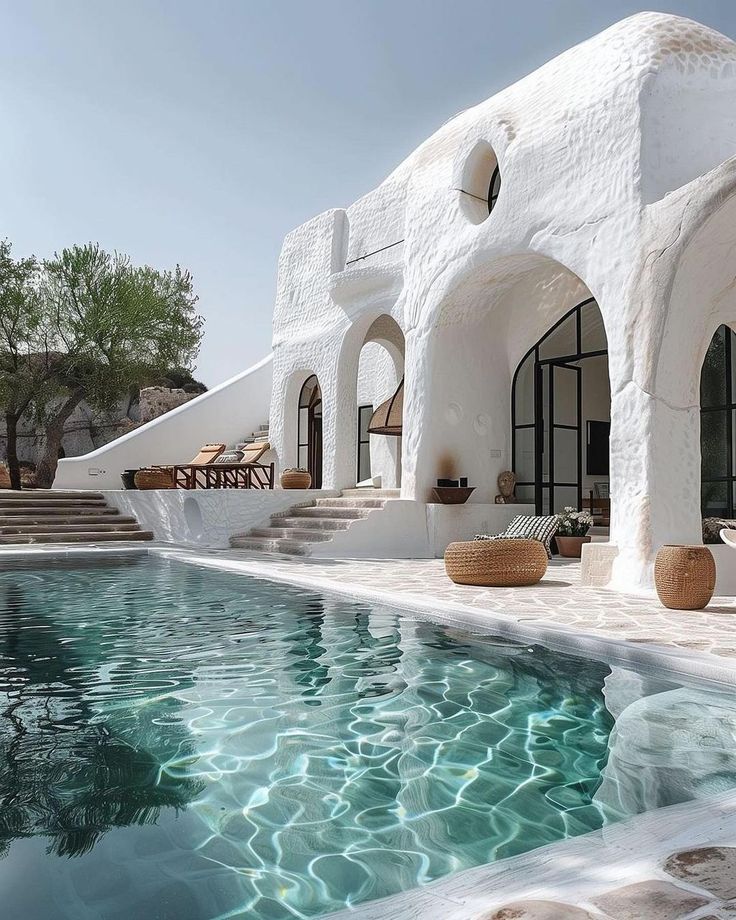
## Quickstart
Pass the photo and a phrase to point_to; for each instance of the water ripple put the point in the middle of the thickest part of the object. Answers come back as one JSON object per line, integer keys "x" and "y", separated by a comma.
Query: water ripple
{"x": 250, "y": 750}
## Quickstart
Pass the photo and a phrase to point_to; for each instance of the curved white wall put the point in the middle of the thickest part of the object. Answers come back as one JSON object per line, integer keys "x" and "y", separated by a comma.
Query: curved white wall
{"x": 227, "y": 413}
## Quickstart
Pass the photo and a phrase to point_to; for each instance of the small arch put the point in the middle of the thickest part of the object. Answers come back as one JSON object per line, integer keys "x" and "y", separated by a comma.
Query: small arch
{"x": 480, "y": 183}
{"x": 309, "y": 430}
{"x": 379, "y": 374}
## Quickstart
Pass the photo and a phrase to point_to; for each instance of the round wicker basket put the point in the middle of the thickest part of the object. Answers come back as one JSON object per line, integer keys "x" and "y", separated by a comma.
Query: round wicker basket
{"x": 685, "y": 577}
{"x": 154, "y": 478}
{"x": 4, "y": 477}
{"x": 496, "y": 563}
{"x": 296, "y": 479}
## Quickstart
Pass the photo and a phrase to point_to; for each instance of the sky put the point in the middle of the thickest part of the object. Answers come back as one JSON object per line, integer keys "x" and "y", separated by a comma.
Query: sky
{"x": 200, "y": 132}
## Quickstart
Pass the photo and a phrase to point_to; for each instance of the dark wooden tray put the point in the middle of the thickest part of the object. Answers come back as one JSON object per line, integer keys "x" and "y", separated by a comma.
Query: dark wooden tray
{"x": 452, "y": 495}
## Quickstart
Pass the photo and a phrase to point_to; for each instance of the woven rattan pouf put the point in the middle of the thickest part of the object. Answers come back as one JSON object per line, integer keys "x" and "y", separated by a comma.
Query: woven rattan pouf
{"x": 496, "y": 563}
{"x": 685, "y": 576}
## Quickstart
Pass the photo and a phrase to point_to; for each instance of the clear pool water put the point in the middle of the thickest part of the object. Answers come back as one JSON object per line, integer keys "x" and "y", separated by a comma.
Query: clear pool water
{"x": 178, "y": 742}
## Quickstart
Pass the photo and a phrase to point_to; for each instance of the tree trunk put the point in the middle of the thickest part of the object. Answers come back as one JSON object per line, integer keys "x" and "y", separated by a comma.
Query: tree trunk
{"x": 46, "y": 468}
{"x": 11, "y": 435}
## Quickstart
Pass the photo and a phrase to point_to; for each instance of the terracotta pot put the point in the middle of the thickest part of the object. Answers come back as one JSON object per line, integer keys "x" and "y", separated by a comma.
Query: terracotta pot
{"x": 296, "y": 479}
{"x": 4, "y": 477}
{"x": 570, "y": 547}
{"x": 154, "y": 479}
{"x": 685, "y": 577}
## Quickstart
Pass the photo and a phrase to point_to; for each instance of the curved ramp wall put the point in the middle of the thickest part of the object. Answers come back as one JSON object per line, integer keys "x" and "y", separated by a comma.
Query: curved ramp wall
{"x": 227, "y": 413}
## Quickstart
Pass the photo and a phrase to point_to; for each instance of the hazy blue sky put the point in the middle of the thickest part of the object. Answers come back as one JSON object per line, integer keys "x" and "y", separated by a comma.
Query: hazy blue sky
{"x": 201, "y": 132}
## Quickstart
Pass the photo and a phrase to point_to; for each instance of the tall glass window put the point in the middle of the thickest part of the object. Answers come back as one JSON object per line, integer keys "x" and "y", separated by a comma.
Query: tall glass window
{"x": 364, "y": 443}
{"x": 717, "y": 426}
{"x": 550, "y": 406}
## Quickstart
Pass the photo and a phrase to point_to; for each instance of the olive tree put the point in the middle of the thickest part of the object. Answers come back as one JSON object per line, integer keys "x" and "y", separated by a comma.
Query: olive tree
{"x": 28, "y": 349}
{"x": 85, "y": 325}
{"x": 119, "y": 326}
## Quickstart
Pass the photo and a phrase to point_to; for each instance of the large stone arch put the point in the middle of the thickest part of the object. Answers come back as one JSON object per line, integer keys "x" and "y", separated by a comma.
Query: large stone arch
{"x": 462, "y": 359}
{"x": 683, "y": 304}
{"x": 378, "y": 324}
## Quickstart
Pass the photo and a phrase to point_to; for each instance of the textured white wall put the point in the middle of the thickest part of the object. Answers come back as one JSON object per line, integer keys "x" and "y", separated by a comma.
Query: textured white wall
{"x": 205, "y": 517}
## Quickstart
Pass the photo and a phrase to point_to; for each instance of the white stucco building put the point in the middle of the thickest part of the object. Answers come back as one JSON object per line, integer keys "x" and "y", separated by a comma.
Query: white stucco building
{"x": 559, "y": 255}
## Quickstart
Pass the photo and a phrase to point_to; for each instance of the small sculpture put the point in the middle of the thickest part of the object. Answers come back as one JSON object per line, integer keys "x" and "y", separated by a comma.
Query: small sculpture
{"x": 506, "y": 486}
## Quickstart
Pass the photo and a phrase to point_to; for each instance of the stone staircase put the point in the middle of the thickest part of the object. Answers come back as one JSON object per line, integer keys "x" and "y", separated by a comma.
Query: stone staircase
{"x": 49, "y": 516}
{"x": 296, "y": 531}
{"x": 260, "y": 435}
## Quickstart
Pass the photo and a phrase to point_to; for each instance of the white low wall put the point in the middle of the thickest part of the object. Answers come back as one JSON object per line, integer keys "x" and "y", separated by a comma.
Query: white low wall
{"x": 414, "y": 530}
{"x": 206, "y": 517}
{"x": 598, "y": 558}
{"x": 225, "y": 414}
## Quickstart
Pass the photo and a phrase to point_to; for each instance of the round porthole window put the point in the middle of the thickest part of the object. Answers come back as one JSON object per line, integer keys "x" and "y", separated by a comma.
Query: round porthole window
{"x": 481, "y": 183}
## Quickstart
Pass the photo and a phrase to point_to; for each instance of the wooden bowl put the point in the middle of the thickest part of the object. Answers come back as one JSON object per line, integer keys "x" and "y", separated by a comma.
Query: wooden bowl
{"x": 452, "y": 495}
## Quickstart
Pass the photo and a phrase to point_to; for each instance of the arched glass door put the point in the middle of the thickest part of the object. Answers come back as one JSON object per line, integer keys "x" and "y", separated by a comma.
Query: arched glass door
{"x": 718, "y": 426}
{"x": 560, "y": 414}
{"x": 309, "y": 447}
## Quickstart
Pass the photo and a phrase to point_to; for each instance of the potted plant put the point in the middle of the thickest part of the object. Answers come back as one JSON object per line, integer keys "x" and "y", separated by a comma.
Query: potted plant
{"x": 296, "y": 478}
{"x": 572, "y": 532}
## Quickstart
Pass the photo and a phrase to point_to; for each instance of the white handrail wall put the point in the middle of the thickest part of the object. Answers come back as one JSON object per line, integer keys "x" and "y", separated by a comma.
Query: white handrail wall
{"x": 227, "y": 413}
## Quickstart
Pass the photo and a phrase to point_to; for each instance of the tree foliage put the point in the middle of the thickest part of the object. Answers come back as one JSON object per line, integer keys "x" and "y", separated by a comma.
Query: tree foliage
{"x": 86, "y": 325}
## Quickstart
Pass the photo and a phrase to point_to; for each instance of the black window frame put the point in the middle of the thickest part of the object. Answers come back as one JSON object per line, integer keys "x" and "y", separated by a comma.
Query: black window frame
{"x": 538, "y": 484}
{"x": 494, "y": 188}
{"x": 728, "y": 409}
{"x": 368, "y": 408}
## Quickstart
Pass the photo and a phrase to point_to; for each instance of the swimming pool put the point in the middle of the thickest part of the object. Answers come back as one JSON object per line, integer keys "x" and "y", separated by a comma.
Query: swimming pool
{"x": 180, "y": 742}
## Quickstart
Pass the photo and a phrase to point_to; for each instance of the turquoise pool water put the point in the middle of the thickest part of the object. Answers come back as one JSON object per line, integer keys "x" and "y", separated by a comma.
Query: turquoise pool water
{"x": 178, "y": 742}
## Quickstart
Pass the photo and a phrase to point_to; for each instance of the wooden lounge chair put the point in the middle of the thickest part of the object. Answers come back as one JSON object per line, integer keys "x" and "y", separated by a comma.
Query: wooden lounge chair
{"x": 208, "y": 453}
{"x": 246, "y": 473}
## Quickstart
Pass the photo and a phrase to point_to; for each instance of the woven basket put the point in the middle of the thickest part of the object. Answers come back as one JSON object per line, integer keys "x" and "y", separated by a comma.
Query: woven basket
{"x": 296, "y": 479}
{"x": 496, "y": 563}
{"x": 154, "y": 478}
{"x": 4, "y": 477}
{"x": 685, "y": 577}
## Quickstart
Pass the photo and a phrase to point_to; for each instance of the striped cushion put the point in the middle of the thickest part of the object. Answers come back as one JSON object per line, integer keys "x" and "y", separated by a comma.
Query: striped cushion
{"x": 526, "y": 527}
{"x": 230, "y": 456}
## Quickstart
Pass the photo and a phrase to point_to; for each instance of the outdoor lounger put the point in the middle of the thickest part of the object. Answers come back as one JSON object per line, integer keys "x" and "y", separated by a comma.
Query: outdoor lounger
{"x": 243, "y": 471}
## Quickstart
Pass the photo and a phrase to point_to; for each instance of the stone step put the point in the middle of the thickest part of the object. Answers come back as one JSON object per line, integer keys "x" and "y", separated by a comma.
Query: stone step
{"x": 351, "y": 514}
{"x": 343, "y": 502}
{"x": 264, "y": 545}
{"x": 110, "y": 517}
{"x": 305, "y": 523}
{"x": 371, "y": 493}
{"x": 54, "y": 494}
{"x": 86, "y": 527}
{"x": 51, "y": 503}
{"x": 84, "y": 537}
{"x": 65, "y": 510}
{"x": 308, "y": 535}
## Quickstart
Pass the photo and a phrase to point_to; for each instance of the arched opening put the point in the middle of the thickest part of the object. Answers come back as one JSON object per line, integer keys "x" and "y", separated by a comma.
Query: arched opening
{"x": 480, "y": 183}
{"x": 718, "y": 426}
{"x": 380, "y": 405}
{"x": 561, "y": 417}
{"x": 309, "y": 438}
